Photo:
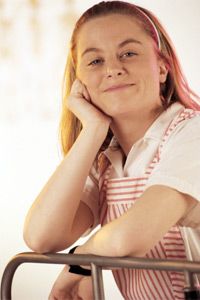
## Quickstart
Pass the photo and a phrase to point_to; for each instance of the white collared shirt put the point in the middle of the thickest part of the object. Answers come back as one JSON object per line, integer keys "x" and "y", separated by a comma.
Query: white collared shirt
{"x": 178, "y": 168}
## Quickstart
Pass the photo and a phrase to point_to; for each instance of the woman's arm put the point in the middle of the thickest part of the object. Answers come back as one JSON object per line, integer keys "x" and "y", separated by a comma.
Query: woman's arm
{"x": 133, "y": 234}
{"x": 49, "y": 223}
{"x": 142, "y": 226}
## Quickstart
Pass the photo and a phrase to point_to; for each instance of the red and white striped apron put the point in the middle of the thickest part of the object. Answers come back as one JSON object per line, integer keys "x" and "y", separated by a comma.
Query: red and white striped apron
{"x": 117, "y": 195}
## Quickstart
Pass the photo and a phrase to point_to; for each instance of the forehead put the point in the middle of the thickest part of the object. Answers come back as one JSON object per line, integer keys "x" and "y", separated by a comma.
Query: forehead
{"x": 110, "y": 29}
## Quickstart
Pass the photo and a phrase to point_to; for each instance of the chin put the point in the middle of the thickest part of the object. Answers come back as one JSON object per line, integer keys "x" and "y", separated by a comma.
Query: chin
{"x": 114, "y": 105}
{"x": 116, "y": 111}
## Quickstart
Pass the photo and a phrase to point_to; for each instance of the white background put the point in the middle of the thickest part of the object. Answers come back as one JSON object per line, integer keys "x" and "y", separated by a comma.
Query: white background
{"x": 33, "y": 49}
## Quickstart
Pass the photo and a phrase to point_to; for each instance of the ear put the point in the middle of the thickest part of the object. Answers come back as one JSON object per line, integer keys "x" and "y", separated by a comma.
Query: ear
{"x": 163, "y": 71}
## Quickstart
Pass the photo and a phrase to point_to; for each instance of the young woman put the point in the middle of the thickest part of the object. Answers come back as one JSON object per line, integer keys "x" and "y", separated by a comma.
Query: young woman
{"x": 130, "y": 132}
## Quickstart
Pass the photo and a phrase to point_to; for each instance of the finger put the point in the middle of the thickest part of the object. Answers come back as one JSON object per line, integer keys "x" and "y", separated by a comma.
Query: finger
{"x": 86, "y": 289}
{"x": 77, "y": 87}
{"x": 52, "y": 298}
{"x": 74, "y": 291}
{"x": 86, "y": 94}
{"x": 76, "y": 297}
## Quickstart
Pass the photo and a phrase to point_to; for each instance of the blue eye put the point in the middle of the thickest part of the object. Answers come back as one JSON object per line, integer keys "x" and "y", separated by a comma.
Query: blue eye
{"x": 128, "y": 54}
{"x": 95, "y": 62}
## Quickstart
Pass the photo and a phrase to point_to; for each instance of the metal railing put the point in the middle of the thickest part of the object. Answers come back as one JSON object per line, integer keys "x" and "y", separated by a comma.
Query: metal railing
{"x": 98, "y": 263}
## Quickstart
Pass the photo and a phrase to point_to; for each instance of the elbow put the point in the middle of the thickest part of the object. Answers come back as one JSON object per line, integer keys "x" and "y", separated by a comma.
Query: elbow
{"x": 36, "y": 244}
{"x": 35, "y": 239}
{"x": 44, "y": 243}
{"x": 37, "y": 247}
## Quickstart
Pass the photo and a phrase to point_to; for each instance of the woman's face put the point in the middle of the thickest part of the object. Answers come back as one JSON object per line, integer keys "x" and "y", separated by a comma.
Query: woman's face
{"x": 117, "y": 62}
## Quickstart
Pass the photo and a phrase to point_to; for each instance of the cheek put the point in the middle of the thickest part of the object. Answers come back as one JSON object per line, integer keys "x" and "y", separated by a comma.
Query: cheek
{"x": 94, "y": 95}
{"x": 152, "y": 75}
{"x": 92, "y": 85}
{"x": 86, "y": 78}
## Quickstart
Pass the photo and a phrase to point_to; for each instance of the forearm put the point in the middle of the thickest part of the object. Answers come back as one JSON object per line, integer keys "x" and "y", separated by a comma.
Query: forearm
{"x": 139, "y": 229}
{"x": 110, "y": 240}
{"x": 51, "y": 215}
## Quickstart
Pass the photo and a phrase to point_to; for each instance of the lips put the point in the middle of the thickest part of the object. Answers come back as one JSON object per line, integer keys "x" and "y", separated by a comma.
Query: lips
{"x": 118, "y": 87}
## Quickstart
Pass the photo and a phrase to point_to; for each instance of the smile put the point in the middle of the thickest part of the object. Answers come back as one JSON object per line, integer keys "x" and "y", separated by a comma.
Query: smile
{"x": 118, "y": 87}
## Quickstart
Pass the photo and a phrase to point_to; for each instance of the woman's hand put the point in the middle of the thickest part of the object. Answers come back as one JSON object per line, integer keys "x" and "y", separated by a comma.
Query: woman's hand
{"x": 69, "y": 286}
{"x": 80, "y": 104}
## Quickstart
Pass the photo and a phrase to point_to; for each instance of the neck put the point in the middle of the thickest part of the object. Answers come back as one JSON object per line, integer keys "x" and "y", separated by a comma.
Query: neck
{"x": 129, "y": 130}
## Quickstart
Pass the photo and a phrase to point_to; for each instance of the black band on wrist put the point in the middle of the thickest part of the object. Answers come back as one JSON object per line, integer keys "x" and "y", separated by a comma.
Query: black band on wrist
{"x": 78, "y": 269}
{"x": 71, "y": 251}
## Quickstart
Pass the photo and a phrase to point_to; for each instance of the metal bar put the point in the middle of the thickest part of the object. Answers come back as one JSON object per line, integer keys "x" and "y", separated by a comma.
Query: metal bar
{"x": 190, "y": 291}
{"x": 97, "y": 279}
{"x": 189, "y": 279}
{"x": 104, "y": 262}
{"x": 107, "y": 262}
{"x": 7, "y": 279}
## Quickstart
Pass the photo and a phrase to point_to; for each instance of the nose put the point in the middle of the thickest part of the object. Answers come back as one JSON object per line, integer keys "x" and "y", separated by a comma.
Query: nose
{"x": 114, "y": 70}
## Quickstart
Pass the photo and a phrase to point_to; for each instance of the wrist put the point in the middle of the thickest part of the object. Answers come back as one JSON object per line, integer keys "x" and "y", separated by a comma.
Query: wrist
{"x": 76, "y": 269}
{"x": 94, "y": 136}
{"x": 97, "y": 127}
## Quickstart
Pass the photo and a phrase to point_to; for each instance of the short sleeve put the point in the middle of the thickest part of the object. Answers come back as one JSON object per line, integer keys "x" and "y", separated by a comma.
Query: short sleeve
{"x": 179, "y": 166}
{"x": 91, "y": 196}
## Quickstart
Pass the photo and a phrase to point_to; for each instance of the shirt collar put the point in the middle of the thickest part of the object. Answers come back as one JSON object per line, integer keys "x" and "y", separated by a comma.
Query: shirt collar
{"x": 155, "y": 131}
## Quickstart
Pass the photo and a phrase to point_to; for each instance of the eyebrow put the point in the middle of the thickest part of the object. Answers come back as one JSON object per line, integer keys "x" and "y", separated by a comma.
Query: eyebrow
{"x": 122, "y": 44}
{"x": 128, "y": 41}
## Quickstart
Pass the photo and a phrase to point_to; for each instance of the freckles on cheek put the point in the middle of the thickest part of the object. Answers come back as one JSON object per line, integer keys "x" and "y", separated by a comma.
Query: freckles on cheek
{"x": 88, "y": 80}
{"x": 85, "y": 79}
